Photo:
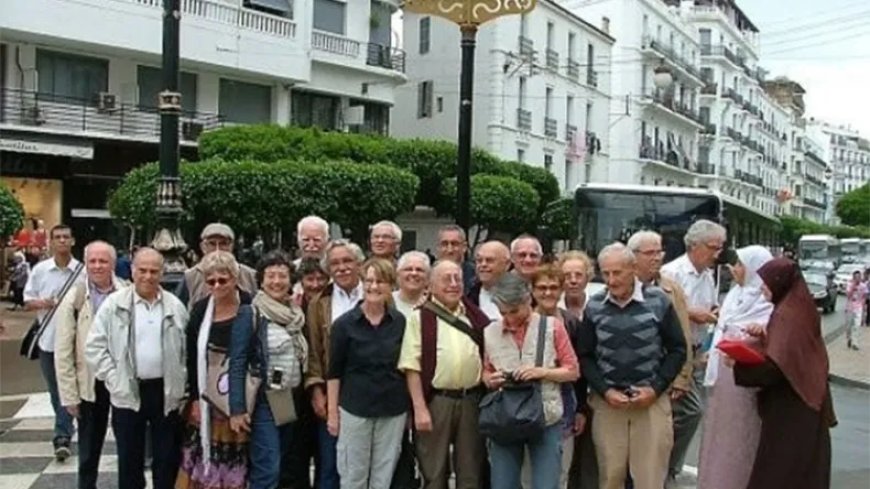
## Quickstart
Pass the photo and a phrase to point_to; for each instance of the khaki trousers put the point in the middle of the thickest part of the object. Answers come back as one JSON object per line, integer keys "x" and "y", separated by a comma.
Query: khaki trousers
{"x": 454, "y": 422}
{"x": 635, "y": 440}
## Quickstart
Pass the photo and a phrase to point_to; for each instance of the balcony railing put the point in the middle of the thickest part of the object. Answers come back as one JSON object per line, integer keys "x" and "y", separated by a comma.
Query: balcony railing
{"x": 591, "y": 77}
{"x": 733, "y": 134}
{"x": 334, "y": 43}
{"x": 550, "y": 127}
{"x": 672, "y": 55}
{"x": 570, "y": 131}
{"x": 527, "y": 46}
{"x": 385, "y": 57}
{"x": 729, "y": 93}
{"x": 668, "y": 102}
{"x": 524, "y": 119}
{"x": 74, "y": 115}
{"x": 709, "y": 89}
{"x": 705, "y": 168}
{"x": 660, "y": 153}
{"x": 709, "y": 129}
{"x": 553, "y": 59}
{"x": 708, "y": 50}
{"x": 573, "y": 70}
{"x": 230, "y": 14}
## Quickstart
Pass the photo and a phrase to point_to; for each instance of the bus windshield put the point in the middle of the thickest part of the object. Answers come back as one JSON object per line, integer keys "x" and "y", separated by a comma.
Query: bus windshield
{"x": 613, "y": 215}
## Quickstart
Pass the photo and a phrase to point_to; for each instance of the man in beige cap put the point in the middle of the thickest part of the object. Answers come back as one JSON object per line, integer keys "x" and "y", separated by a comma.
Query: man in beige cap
{"x": 215, "y": 236}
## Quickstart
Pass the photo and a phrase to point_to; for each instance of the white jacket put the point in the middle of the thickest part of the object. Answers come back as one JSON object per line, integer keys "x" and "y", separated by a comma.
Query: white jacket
{"x": 110, "y": 356}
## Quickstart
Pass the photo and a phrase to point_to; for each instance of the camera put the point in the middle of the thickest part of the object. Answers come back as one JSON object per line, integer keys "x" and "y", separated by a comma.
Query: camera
{"x": 630, "y": 392}
{"x": 276, "y": 378}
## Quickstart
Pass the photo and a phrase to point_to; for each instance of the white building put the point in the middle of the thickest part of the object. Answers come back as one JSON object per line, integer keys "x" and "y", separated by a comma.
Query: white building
{"x": 541, "y": 89}
{"x": 849, "y": 157}
{"x": 811, "y": 193}
{"x": 79, "y": 80}
{"x": 654, "y": 130}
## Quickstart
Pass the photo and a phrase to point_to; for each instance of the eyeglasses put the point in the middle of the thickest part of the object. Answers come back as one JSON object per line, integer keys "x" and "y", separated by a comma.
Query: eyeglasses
{"x": 652, "y": 252}
{"x": 374, "y": 281}
{"x": 714, "y": 247}
{"x": 548, "y": 288}
{"x": 383, "y": 237}
{"x": 217, "y": 281}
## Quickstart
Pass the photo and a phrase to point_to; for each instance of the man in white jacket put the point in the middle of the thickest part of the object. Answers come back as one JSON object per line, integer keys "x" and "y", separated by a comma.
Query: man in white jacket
{"x": 136, "y": 347}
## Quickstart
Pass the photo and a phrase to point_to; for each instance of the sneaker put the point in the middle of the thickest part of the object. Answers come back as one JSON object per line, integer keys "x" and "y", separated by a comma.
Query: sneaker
{"x": 61, "y": 450}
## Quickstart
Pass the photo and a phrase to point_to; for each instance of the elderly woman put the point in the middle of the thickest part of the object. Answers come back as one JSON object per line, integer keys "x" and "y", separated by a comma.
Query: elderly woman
{"x": 275, "y": 350}
{"x": 367, "y": 398}
{"x": 577, "y": 269}
{"x": 510, "y": 346}
{"x": 732, "y": 425}
{"x": 213, "y": 455}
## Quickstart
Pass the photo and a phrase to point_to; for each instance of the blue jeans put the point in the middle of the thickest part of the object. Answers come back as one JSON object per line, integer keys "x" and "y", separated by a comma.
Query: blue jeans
{"x": 327, "y": 445}
{"x": 545, "y": 453}
{"x": 63, "y": 422}
{"x": 266, "y": 446}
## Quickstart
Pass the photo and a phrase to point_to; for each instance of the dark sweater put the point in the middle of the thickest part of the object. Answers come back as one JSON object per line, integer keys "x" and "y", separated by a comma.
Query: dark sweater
{"x": 639, "y": 345}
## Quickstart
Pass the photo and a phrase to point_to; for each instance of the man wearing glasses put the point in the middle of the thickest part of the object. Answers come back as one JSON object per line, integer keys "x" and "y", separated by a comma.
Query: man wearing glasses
{"x": 453, "y": 246}
{"x": 41, "y": 295}
{"x": 526, "y": 256}
{"x": 693, "y": 271}
{"x": 215, "y": 236}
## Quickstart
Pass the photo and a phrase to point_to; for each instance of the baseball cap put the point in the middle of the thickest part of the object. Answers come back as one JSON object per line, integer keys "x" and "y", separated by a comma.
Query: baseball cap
{"x": 217, "y": 229}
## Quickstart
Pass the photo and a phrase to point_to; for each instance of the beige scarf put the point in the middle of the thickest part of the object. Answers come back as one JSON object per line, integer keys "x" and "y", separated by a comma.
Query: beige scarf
{"x": 288, "y": 315}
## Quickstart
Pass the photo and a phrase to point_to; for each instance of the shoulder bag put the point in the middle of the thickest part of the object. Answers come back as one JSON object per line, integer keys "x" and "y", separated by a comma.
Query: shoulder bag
{"x": 30, "y": 343}
{"x": 515, "y": 412}
{"x": 217, "y": 390}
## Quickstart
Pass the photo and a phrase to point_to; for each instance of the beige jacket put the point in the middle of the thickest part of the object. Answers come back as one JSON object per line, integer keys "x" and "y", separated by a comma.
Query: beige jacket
{"x": 681, "y": 306}
{"x": 75, "y": 381}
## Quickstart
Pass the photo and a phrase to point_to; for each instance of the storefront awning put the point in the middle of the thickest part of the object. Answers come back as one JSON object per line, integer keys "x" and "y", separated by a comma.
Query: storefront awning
{"x": 46, "y": 145}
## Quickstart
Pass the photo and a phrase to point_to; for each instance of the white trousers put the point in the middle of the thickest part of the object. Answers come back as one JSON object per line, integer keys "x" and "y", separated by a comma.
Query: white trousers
{"x": 368, "y": 450}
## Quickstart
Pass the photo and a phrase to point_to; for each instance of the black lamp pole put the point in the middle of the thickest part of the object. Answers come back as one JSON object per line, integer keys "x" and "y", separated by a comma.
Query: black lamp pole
{"x": 463, "y": 165}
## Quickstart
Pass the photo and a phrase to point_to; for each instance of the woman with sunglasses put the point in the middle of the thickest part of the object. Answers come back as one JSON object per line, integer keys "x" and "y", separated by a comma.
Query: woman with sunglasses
{"x": 213, "y": 455}
{"x": 275, "y": 350}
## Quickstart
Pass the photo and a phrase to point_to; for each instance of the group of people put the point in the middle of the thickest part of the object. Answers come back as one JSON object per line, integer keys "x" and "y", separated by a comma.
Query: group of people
{"x": 378, "y": 370}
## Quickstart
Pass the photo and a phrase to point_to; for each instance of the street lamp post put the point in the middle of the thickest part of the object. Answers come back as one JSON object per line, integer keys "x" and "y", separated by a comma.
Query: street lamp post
{"x": 168, "y": 240}
{"x": 469, "y": 15}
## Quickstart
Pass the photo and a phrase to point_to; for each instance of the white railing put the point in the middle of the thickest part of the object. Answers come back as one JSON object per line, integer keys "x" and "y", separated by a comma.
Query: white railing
{"x": 334, "y": 43}
{"x": 231, "y": 15}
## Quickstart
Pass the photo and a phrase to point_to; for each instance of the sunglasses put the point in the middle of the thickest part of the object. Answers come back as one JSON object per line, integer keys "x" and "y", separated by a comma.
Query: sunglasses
{"x": 217, "y": 281}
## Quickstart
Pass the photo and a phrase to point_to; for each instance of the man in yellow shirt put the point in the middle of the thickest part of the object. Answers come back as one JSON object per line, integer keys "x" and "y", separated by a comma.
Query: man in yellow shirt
{"x": 442, "y": 360}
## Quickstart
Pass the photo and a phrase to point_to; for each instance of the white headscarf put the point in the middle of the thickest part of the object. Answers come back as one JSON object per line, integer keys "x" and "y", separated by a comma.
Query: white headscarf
{"x": 744, "y": 305}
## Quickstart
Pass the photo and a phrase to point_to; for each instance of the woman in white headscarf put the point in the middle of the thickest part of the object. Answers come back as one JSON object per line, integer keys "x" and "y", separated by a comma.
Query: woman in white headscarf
{"x": 731, "y": 423}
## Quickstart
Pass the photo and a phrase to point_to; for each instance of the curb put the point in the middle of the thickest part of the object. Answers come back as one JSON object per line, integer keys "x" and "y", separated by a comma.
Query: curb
{"x": 838, "y": 379}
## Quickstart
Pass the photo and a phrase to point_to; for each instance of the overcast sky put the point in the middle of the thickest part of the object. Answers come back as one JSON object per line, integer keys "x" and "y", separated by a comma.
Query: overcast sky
{"x": 824, "y": 46}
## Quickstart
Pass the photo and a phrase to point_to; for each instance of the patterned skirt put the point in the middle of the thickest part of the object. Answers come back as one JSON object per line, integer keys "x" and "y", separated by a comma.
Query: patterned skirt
{"x": 229, "y": 454}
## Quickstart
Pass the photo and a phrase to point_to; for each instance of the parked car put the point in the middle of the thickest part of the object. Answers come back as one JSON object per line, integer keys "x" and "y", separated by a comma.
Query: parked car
{"x": 823, "y": 289}
{"x": 844, "y": 275}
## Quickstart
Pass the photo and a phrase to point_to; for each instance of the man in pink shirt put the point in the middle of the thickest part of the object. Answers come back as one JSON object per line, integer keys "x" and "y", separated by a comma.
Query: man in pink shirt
{"x": 856, "y": 295}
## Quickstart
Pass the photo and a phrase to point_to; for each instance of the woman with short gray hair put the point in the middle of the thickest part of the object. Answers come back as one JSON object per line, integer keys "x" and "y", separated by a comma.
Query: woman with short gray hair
{"x": 510, "y": 348}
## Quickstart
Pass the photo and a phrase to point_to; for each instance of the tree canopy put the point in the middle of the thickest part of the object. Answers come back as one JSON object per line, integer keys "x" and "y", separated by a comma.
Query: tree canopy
{"x": 854, "y": 207}
{"x": 11, "y": 213}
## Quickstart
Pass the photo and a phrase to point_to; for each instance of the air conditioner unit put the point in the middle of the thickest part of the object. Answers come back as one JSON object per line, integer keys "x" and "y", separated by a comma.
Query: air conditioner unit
{"x": 355, "y": 115}
{"x": 107, "y": 102}
{"x": 190, "y": 130}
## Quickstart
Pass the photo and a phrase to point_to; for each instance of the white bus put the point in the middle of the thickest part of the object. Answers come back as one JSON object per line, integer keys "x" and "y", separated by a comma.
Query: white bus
{"x": 819, "y": 248}
{"x": 852, "y": 250}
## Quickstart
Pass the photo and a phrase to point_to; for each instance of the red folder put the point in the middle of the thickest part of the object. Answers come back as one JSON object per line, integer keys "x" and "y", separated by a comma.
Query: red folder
{"x": 741, "y": 352}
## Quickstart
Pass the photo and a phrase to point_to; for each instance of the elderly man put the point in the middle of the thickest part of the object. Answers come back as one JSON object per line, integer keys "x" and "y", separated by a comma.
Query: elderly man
{"x": 136, "y": 346}
{"x": 413, "y": 271}
{"x": 631, "y": 348}
{"x": 342, "y": 260}
{"x": 693, "y": 272}
{"x": 84, "y": 397}
{"x": 491, "y": 261}
{"x": 42, "y": 294}
{"x": 526, "y": 255}
{"x": 215, "y": 236}
{"x": 649, "y": 255}
{"x": 312, "y": 234}
{"x": 442, "y": 360}
{"x": 385, "y": 240}
{"x": 453, "y": 245}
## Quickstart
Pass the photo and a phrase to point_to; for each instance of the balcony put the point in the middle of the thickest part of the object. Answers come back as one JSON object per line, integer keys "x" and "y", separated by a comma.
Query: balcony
{"x": 570, "y": 131}
{"x": 721, "y": 52}
{"x": 668, "y": 104}
{"x": 733, "y": 134}
{"x": 550, "y": 127}
{"x": 527, "y": 47}
{"x": 552, "y": 59}
{"x": 385, "y": 57}
{"x": 670, "y": 156}
{"x": 335, "y": 44}
{"x": 524, "y": 119}
{"x": 709, "y": 129}
{"x": 729, "y": 93}
{"x": 661, "y": 51}
{"x": 573, "y": 70}
{"x": 814, "y": 203}
{"x": 705, "y": 168}
{"x": 591, "y": 77}
{"x": 710, "y": 89}
{"x": 40, "y": 112}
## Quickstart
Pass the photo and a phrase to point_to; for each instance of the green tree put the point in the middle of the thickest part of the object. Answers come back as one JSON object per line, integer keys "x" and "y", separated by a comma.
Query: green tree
{"x": 11, "y": 213}
{"x": 854, "y": 207}
{"x": 559, "y": 218}
{"x": 497, "y": 204}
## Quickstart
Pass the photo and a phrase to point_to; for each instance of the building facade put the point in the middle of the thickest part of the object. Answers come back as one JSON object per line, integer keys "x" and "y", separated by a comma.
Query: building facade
{"x": 654, "y": 126}
{"x": 80, "y": 78}
{"x": 541, "y": 89}
{"x": 848, "y": 154}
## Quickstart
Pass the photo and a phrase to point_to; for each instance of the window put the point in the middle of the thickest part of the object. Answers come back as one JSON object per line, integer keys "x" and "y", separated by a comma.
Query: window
{"x": 551, "y": 32}
{"x": 281, "y": 8}
{"x": 311, "y": 109}
{"x": 548, "y": 102}
{"x": 376, "y": 118}
{"x": 150, "y": 82}
{"x": 440, "y": 102}
{"x": 521, "y": 155}
{"x": 329, "y": 16}
{"x": 425, "y": 30}
{"x": 524, "y": 25}
{"x": 522, "y": 92}
{"x": 569, "y": 110}
{"x": 645, "y": 25}
{"x": 548, "y": 162}
{"x": 569, "y": 175}
{"x": 590, "y": 55}
{"x": 572, "y": 41}
{"x": 246, "y": 103}
{"x": 705, "y": 37}
{"x": 425, "y": 96}
{"x": 69, "y": 75}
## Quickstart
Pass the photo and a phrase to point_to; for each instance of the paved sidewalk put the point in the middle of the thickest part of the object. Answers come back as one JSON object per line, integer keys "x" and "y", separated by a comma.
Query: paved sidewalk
{"x": 849, "y": 367}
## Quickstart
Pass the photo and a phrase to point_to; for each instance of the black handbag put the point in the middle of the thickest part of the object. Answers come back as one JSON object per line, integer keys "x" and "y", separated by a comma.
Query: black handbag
{"x": 515, "y": 412}
{"x": 30, "y": 343}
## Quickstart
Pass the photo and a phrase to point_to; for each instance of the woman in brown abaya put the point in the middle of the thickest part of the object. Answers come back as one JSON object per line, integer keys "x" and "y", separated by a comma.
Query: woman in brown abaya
{"x": 794, "y": 451}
